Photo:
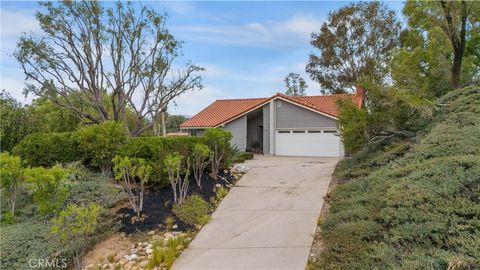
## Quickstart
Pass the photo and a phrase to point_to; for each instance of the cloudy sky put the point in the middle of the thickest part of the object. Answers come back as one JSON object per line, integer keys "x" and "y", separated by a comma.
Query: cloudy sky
{"x": 247, "y": 48}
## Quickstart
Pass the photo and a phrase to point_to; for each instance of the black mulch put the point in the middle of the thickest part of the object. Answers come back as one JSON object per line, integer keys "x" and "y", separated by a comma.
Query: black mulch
{"x": 157, "y": 205}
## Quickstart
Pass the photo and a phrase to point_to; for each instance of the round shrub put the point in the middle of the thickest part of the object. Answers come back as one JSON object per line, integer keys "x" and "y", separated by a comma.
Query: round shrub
{"x": 193, "y": 210}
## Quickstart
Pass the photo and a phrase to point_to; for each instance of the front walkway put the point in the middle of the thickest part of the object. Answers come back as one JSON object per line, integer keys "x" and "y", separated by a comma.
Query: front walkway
{"x": 267, "y": 220}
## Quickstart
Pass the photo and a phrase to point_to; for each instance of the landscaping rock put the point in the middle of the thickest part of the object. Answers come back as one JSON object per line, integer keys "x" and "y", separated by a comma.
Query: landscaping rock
{"x": 143, "y": 264}
{"x": 127, "y": 257}
{"x": 119, "y": 256}
{"x": 149, "y": 251}
{"x": 175, "y": 226}
{"x": 133, "y": 256}
{"x": 157, "y": 238}
{"x": 151, "y": 232}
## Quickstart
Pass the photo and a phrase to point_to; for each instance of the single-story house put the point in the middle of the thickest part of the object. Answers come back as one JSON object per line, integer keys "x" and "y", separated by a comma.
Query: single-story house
{"x": 278, "y": 125}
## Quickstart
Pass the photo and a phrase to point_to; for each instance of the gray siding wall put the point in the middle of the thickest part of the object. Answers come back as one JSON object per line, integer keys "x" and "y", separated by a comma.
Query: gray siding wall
{"x": 238, "y": 128}
{"x": 293, "y": 116}
{"x": 196, "y": 132}
{"x": 266, "y": 129}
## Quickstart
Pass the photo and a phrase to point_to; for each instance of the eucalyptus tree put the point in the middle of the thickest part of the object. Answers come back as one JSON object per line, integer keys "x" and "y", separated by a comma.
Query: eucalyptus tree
{"x": 104, "y": 63}
{"x": 355, "y": 41}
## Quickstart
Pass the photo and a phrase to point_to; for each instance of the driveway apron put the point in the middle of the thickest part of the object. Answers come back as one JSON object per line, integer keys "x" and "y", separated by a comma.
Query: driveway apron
{"x": 267, "y": 220}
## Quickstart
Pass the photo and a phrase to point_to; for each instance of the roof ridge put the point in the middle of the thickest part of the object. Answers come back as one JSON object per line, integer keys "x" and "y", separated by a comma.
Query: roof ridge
{"x": 232, "y": 99}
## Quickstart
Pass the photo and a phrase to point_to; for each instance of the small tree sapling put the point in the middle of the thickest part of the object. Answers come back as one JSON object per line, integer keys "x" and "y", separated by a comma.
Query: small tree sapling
{"x": 219, "y": 142}
{"x": 133, "y": 173}
{"x": 202, "y": 156}
{"x": 74, "y": 225}
{"x": 11, "y": 177}
{"x": 174, "y": 167}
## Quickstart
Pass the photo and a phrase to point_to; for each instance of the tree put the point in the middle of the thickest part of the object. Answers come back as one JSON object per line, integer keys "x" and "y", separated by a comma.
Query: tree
{"x": 48, "y": 117}
{"x": 11, "y": 177}
{"x": 133, "y": 173}
{"x": 295, "y": 85}
{"x": 74, "y": 225}
{"x": 174, "y": 165}
{"x": 101, "y": 62}
{"x": 457, "y": 19}
{"x": 99, "y": 143}
{"x": 174, "y": 122}
{"x": 49, "y": 187}
{"x": 15, "y": 123}
{"x": 219, "y": 142}
{"x": 20, "y": 120}
{"x": 202, "y": 156}
{"x": 422, "y": 65}
{"x": 355, "y": 41}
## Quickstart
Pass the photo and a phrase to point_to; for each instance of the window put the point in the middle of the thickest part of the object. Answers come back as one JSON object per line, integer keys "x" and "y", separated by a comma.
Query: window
{"x": 299, "y": 131}
{"x": 284, "y": 131}
{"x": 329, "y": 131}
{"x": 314, "y": 131}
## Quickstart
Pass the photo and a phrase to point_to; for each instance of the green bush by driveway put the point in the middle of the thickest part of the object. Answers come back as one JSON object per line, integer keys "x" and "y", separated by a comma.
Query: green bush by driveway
{"x": 411, "y": 205}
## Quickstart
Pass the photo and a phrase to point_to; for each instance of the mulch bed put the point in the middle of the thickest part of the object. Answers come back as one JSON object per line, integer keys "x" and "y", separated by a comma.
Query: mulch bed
{"x": 157, "y": 205}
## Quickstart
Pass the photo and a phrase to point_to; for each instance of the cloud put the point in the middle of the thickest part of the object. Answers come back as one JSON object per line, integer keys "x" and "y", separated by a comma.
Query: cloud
{"x": 277, "y": 33}
{"x": 15, "y": 22}
{"x": 192, "y": 102}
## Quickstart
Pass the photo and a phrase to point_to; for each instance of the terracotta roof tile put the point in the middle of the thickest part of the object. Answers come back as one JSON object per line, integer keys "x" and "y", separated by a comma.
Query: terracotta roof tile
{"x": 224, "y": 110}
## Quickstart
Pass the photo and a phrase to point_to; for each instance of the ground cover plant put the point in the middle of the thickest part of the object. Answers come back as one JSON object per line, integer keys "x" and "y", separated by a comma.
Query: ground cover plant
{"x": 411, "y": 205}
{"x": 31, "y": 237}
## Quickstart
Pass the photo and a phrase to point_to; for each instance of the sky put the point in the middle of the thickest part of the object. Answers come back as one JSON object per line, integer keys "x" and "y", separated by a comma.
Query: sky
{"x": 247, "y": 48}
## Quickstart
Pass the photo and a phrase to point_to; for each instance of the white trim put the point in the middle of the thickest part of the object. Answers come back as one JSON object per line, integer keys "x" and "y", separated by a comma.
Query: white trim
{"x": 272, "y": 127}
{"x": 307, "y": 108}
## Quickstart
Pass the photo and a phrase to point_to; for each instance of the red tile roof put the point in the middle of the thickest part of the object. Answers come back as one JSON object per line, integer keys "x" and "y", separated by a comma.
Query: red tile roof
{"x": 225, "y": 110}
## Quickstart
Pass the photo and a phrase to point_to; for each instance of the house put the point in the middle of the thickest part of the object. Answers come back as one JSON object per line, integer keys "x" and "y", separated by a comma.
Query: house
{"x": 278, "y": 125}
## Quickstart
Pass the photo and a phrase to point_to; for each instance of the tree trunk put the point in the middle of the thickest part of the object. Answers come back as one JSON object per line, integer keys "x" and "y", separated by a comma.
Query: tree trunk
{"x": 456, "y": 68}
{"x": 164, "y": 128}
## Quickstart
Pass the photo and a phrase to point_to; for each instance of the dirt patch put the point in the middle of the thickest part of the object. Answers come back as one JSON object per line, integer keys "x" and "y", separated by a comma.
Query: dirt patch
{"x": 318, "y": 245}
{"x": 112, "y": 246}
{"x": 158, "y": 202}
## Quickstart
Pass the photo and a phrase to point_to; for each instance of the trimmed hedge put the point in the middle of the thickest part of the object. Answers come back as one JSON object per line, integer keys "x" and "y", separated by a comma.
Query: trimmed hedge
{"x": 47, "y": 149}
{"x": 155, "y": 149}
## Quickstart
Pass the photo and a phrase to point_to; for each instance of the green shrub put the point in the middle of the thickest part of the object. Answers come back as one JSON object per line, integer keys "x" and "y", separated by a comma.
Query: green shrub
{"x": 99, "y": 144}
{"x": 94, "y": 189}
{"x": 47, "y": 149}
{"x": 192, "y": 210}
{"x": 352, "y": 125}
{"x": 49, "y": 187}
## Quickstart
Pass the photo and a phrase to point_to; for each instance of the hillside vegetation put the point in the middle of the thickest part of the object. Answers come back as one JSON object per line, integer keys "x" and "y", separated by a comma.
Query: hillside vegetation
{"x": 411, "y": 204}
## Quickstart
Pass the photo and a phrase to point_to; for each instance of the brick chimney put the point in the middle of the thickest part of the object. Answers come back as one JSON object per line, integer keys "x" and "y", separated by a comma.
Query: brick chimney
{"x": 359, "y": 95}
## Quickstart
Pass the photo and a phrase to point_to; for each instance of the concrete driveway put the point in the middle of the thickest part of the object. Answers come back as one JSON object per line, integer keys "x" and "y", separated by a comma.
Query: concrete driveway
{"x": 267, "y": 220}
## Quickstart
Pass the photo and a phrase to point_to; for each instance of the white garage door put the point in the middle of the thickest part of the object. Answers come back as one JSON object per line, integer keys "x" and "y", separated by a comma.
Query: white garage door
{"x": 313, "y": 143}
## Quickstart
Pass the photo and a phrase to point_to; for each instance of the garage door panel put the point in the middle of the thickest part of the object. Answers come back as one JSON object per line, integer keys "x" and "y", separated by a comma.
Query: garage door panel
{"x": 307, "y": 144}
